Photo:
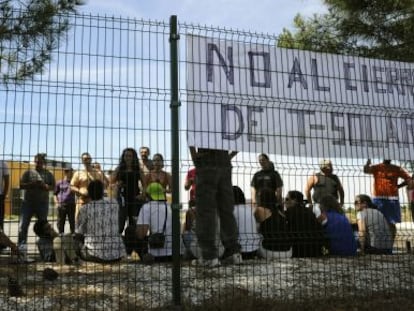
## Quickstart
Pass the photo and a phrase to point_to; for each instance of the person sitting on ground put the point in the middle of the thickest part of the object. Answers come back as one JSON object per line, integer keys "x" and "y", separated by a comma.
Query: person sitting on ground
{"x": 337, "y": 227}
{"x": 306, "y": 232}
{"x": 375, "y": 236}
{"x": 272, "y": 226}
{"x": 156, "y": 217}
{"x": 249, "y": 238}
{"x": 6, "y": 242}
{"x": 99, "y": 225}
{"x": 54, "y": 247}
{"x": 14, "y": 287}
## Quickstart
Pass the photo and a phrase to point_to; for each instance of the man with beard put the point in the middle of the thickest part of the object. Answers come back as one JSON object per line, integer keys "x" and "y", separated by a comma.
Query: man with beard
{"x": 323, "y": 183}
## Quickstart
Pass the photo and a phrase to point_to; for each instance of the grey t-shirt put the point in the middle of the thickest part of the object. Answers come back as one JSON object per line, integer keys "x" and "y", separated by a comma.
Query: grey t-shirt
{"x": 378, "y": 233}
{"x": 37, "y": 195}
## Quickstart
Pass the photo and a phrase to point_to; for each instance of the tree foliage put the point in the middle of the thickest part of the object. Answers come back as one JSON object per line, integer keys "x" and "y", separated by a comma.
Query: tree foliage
{"x": 29, "y": 32}
{"x": 370, "y": 28}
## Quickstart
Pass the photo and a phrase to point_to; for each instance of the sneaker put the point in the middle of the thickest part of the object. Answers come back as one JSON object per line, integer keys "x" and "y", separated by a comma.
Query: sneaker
{"x": 235, "y": 259}
{"x": 208, "y": 263}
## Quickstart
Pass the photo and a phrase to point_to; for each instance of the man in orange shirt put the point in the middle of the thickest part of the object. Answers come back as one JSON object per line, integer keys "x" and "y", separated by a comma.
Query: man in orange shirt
{"x": 386, "y": 177}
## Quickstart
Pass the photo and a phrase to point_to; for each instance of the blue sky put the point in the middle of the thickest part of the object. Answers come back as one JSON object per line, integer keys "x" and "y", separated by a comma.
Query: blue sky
{"x": 267, "y": 16}
{"x": 27, "y": 127}
{"x": 62, "y": 119}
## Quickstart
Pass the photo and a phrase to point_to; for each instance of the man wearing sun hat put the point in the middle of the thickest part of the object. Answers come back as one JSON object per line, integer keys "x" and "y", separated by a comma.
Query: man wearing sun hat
{"x": 155, "y": 217}
{"x": 323, "y": 183}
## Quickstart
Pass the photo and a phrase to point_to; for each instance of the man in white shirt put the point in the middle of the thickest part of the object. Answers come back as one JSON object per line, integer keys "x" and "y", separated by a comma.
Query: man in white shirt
{"x": 98, "y": 223}
{"x": 155, "y": 217}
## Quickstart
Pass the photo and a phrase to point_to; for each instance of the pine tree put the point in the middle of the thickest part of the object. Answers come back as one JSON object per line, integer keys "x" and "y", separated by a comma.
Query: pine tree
{"x": 370, "y": 28}
{"x": 29, "y": 32}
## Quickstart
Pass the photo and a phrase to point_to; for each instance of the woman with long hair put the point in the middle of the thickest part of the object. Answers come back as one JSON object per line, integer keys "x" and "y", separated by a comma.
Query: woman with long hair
{"x": 272, "y": 226}
{"x": 127, "y": 176}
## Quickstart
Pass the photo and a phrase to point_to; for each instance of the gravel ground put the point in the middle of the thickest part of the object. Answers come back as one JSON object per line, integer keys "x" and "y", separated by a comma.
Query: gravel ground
{"x": 131, "y": 285}
{"x": 378, "y": 282}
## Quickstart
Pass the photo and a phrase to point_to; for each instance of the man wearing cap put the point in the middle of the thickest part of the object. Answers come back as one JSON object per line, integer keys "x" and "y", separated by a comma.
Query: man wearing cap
{"x": 155, "y": 217}
{"x": 323, "y": 183}
{"x": 65, "y": 201}
{"x": 37, "y": 183}
{"x": 386, "y": 177}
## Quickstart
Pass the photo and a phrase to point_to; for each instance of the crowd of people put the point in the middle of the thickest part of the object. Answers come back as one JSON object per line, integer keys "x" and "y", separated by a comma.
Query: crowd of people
{"x": 300, "y": 225}
{"x": 221, "y": 227}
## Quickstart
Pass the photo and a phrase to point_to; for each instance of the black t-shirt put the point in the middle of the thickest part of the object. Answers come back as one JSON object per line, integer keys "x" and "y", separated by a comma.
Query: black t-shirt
{"x": 275, "y": 233}
{"x": 212, "y": 158}
{"x": 129, "y": 187}
{"x": 305, "y": 231}
{"x": 269, "y": 179}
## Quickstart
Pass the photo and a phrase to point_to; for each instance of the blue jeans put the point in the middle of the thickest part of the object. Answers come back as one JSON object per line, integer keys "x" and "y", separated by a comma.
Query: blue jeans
{"x": 214, "y": 196}
{"x": 40, "y": 210}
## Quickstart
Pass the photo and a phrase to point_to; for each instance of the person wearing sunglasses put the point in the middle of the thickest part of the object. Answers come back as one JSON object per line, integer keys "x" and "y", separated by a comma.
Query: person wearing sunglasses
{"x": 306, "y": 232}
{"x": 374, "y": 231}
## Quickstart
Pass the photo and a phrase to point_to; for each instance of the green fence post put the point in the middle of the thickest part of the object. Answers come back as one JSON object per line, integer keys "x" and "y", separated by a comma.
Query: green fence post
{"x": 175, "y": 145}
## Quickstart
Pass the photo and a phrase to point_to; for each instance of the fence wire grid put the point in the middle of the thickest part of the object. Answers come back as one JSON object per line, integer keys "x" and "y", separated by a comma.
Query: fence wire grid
{"x": 109, "y": 87}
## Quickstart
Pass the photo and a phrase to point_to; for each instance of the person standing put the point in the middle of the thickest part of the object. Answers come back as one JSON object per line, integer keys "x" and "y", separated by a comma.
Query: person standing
{"x": 145, "y": 163}
{"x": 267, "y": 177}
{"x": 190, "y": 185}
{"x": 82, "y": 178}
{"x": 410, "y": 195}
{"x": 127, "y": 176}
{"x": 65, "y": 201}
{"x": 37, "y": 183}
{"x": 158, "y": 175}
{"x": 386, "y": 199}
{"x": 214, "y": 197}
{"x": 98, "y": 167}
{"x": 4, "y": 190}
{"x": 323, "y": 183}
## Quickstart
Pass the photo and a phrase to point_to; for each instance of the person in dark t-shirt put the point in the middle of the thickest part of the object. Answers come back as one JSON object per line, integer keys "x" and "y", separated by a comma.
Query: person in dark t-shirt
{"x": 268, "y": 178}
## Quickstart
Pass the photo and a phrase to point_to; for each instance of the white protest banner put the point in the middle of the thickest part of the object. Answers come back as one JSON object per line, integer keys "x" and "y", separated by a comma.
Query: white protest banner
{"x": 260, "y": 98}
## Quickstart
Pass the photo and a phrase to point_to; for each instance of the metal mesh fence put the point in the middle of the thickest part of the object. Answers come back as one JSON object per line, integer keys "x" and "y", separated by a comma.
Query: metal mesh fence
{"x": 108, "y": 87}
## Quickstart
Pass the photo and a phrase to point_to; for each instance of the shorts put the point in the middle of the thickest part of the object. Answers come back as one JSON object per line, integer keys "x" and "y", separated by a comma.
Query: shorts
{"x": 389, "y": 208}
